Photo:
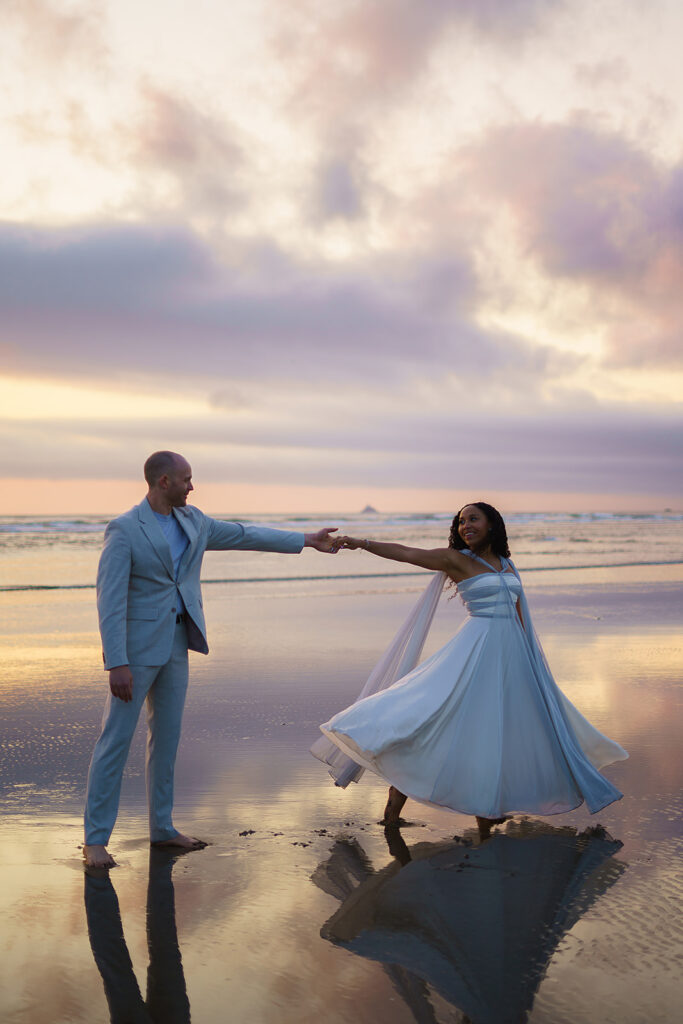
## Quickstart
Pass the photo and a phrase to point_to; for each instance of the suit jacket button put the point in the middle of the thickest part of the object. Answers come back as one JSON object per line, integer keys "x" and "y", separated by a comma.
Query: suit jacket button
{"x": 172, "y": 609}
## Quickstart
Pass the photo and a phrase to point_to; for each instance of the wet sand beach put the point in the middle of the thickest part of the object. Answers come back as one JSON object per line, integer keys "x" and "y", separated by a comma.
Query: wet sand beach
{"x": 301, "y": 908}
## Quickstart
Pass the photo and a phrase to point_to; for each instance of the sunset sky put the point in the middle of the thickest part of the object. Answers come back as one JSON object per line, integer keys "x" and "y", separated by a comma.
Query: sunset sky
{"x": 405, "y": 252}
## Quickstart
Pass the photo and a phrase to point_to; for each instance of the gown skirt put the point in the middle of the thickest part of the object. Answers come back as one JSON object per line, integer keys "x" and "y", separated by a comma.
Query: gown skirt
{"x": 481, "y": 727}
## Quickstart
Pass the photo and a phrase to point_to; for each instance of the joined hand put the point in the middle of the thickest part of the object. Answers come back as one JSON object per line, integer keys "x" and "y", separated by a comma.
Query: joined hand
{"x": 348, "y": 542}
{"x": 322, "y": 541}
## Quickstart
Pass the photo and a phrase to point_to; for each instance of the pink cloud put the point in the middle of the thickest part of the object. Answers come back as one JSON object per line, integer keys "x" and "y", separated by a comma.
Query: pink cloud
{"x": 591, "y": 206}
{"x": 372, "y": 49}
{"x": 196, "y": 148}
{"x": 173, "y": 132}
{"x": 53, "y": 35}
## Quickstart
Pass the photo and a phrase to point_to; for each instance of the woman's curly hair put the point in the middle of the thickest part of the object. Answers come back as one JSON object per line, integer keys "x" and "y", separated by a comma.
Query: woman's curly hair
{"x": 499, "y": 537}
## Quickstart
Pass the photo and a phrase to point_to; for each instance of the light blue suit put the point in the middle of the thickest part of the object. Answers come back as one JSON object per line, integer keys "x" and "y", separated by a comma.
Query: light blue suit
{"x": 137, "y": 604}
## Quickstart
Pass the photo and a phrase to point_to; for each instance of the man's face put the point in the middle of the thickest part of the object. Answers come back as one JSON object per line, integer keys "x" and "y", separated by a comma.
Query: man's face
{"x": 179, "y": 484}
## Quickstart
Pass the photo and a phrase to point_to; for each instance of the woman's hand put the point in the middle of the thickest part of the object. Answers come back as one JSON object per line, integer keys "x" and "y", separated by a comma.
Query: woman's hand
{"x": 349, "y": 542}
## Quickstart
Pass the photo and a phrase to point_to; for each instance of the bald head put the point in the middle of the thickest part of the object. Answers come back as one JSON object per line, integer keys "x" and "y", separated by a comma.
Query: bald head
{"x": 169, "y": 478}
{"x": 162, "y": 464}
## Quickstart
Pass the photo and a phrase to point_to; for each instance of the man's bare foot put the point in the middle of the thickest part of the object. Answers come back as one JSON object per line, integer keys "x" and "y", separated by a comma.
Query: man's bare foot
{"x": 395, "y": 803}
{"x": 180, "y": 842}
{"x": 97, "y": 857}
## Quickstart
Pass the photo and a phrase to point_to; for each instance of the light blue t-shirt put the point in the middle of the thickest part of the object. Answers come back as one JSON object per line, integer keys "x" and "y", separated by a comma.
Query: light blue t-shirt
{"x": 177, "y": 542}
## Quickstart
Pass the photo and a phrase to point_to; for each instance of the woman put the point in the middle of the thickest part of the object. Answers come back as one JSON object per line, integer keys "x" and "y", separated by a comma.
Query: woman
{"x": 481, "y": 726}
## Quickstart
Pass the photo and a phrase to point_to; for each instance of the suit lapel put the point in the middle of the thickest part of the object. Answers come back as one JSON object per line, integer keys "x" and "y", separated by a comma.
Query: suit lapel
{"x": 153, "y": 532}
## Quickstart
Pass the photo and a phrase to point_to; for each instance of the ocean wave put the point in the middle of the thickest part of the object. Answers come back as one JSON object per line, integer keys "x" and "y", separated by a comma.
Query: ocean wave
{"x": 59, "y": 525}
{"x": 53, "y": 526}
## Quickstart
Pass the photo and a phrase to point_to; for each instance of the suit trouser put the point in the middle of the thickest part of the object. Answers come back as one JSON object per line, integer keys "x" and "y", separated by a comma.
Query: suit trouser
{"x": 164, "y": 688}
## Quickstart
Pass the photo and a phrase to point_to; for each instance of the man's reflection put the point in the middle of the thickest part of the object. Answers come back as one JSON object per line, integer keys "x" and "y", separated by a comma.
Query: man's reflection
{"x": 166, "y": 1001}
{"x": 476, "y": 921}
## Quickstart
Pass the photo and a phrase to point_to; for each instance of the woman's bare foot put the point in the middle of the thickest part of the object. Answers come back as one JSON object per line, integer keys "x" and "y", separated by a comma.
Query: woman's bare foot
{"x": 180, "y": 842}
{"x": 486, "y": 824}
{"x": 98, "y": 857}
{"x": 392, "y": 811}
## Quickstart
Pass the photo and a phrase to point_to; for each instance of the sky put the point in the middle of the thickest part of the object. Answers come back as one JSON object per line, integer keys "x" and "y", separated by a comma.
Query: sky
{"x": 400, "y": 252}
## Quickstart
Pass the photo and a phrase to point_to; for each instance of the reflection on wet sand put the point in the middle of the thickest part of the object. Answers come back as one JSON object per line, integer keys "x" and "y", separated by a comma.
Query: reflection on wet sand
{"x": 166, "y": 1001}
{"x": 247, "y": 915}
{"x": 476, "y": 921}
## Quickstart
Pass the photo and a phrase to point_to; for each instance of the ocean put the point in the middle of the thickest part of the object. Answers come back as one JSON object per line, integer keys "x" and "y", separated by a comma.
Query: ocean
{"x": 41, "y": 552}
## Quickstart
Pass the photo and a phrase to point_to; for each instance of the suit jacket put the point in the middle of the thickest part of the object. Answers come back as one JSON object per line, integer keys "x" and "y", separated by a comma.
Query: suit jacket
{"x": 137, "y": 590}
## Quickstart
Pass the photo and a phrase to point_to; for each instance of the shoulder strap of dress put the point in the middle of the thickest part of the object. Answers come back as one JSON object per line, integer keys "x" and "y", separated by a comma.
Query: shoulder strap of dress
{"x": 478, "y": 558}
{"x": 472, "y": 554}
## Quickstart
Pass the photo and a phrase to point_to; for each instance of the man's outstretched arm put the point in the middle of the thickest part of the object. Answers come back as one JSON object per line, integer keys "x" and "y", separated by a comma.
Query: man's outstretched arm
{"x": 238, "y": 537}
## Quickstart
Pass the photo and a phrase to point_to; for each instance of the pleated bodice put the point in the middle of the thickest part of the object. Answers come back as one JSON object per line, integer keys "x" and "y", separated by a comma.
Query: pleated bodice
{"x": 491, "y": 595}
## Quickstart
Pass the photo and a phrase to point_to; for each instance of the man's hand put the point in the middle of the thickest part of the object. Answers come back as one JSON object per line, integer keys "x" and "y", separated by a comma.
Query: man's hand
{"x": 321, "y": 540}
{"x": 121, "y": 683}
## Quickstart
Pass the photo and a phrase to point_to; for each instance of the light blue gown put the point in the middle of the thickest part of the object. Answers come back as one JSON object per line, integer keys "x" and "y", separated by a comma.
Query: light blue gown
{"x": 481, "y": 726}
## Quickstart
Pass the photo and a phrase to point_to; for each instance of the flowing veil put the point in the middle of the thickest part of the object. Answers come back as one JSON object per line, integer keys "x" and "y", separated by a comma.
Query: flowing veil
{"x": 574, "y": 729}
{"x": 400, "y": 658}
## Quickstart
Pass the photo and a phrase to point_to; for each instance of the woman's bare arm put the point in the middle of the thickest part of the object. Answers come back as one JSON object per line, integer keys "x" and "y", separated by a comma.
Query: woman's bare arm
{"x": 437, "y": 559}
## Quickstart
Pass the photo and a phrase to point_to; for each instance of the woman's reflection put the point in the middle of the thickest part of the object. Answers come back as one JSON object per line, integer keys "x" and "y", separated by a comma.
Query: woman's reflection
{"x": 477, "y": 921}
{"x": 166, "y": 1001}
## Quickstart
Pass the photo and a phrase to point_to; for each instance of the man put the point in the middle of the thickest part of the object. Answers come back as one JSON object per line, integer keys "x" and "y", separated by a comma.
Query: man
{"x": 150, "y": 610}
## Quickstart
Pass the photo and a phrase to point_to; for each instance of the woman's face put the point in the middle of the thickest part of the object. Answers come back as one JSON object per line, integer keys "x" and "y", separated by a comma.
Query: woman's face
{"x": 473, "y": 527}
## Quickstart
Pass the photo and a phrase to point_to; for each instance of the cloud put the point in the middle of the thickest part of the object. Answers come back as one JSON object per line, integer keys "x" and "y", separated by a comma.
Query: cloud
{"x": 607, "y": 451}
{"x": 373, "y": 50}
{"x": 149, "y": 146}
{"x": 91, "y": 268}
{"x": 122, "y": 300}
{"x": 337, "y": 191}
{"x": 55, "y": 36}
{"x": 592, "y": 207}
{"x": 56, "y": 65}
{"x": 350, "y": 67}
{"x": 603, "y": 72}
{"x": 199, "y": 150}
